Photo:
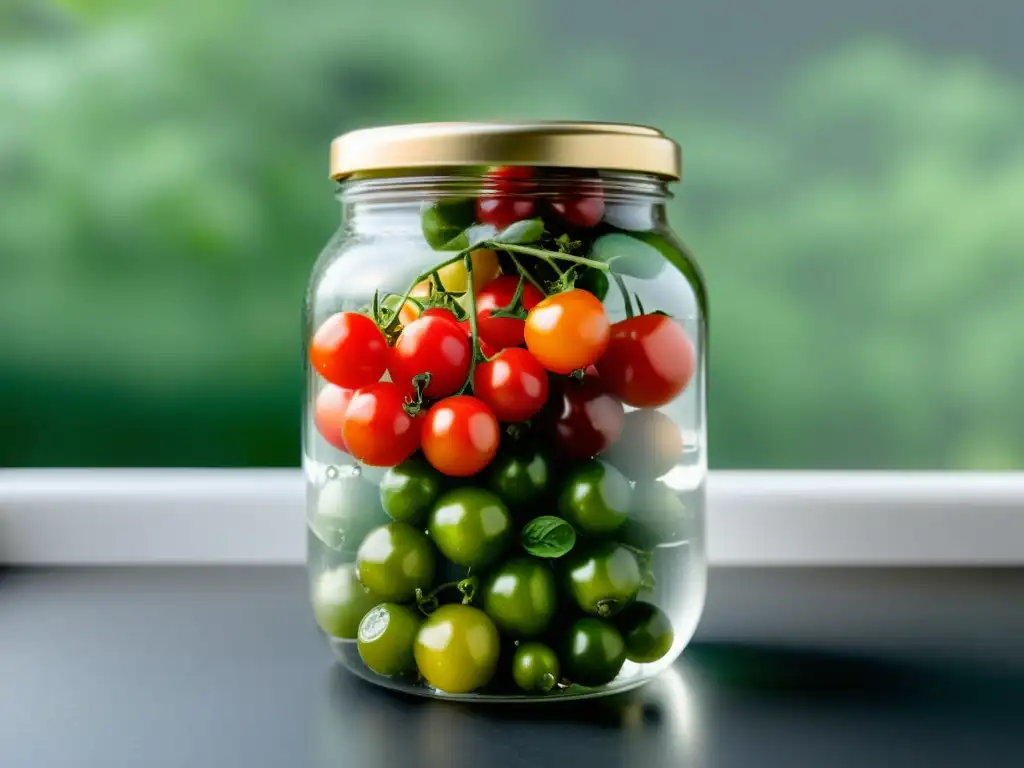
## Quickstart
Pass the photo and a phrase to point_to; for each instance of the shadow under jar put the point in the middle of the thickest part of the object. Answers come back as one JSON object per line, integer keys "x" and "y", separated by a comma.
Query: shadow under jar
{"x": 505, "y": 433}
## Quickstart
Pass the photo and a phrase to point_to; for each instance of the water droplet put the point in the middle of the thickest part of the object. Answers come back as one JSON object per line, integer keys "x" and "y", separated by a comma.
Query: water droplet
{"x": 332, "y": 472}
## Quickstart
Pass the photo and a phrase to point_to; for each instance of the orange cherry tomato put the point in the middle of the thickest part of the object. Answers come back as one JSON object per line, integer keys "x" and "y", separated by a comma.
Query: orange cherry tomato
{"x": 329, "y": 414}
{"x": 649, "y": 361}
{"x": 378, "y": 431}
{"x": 513, "y": 385}
{"x": 567, "y": 331}
{"x": 349, "y": 350}
{"x": 460, "y": 436}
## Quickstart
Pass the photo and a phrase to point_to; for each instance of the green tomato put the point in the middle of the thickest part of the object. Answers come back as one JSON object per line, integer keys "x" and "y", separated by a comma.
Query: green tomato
{"x": 595, "y": 498}
{"x": 457, "y": 649}
{"x": 395, "y": 560}
{"x": 593, "y": 652}
{"x": 521, "y": 598}
{"x": 657, "y": 516}
{"x": 520, "y": 477}
{"x": 471, "y": 527}
{"x": 347, "y": 508}
{"x": 386, "y": 637}
{"x": 408, "y": 490}
{"x": 603, "y": 578}
{"x": 646, "y": 631}
{"x": 535, "y": 668}
{"x": 340, "y": 601}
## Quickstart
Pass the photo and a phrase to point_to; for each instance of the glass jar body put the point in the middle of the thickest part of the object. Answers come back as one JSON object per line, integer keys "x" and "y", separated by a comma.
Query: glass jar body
{"x": 542, "y": 534}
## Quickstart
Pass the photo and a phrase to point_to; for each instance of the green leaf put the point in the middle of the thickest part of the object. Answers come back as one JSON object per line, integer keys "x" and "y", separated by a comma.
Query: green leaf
{"x": 444, "y": 220}
{"x": 470, "y": 237}
{"x": 595, "y": 281}
{"x": 548, "y": 536}
{"x": 633, "y": 255}
{"x": 521, "y": 232}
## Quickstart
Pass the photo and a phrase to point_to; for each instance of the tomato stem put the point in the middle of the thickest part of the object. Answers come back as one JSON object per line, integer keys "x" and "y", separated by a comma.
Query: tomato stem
{"x": 474, "y": 336}
{"x": 548, "y": 256}
{"x": 419, "y": 279}
{"x": 625, "y": 293}
{"x": 524, "y": 273}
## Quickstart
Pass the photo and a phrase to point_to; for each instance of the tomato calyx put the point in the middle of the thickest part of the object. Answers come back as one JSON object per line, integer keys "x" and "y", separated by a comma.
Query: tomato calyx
{"x": 428, "y": 602}
{"x": 416, "y": 402}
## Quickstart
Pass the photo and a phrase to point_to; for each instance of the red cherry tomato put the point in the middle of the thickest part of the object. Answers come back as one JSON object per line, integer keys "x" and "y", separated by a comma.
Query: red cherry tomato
{"x": 433, "y": 345}
{"x": 505, "y": 202}
{"x": 567, "y": 331}
{"x": 513, "y": 385}
{"x": 460, "y": 436}
{"x": 502, "y": 332}
{"x": 441, "y": 312}
{"x": 329, "y": 414}
{"x": 649, "y": 360}
{"x": 349, "y": 350}
{"x": 377, "y": 430}
{"x": 501, "y": 211}
{"x": 447, "y": 314}
{"x": 587, "y": 418}
{"x": 584, "y": 211}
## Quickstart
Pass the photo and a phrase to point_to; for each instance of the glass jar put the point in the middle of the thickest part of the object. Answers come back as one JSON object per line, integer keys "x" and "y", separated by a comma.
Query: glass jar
{"x": 505, "y": 434}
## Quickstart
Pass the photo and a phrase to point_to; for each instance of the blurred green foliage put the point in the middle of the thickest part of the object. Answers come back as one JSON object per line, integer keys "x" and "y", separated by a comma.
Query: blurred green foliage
{"x": 164, "y": 193}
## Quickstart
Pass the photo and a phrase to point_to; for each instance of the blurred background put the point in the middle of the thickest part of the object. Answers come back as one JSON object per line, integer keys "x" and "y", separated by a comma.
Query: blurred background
{"x": 853, "y": 188}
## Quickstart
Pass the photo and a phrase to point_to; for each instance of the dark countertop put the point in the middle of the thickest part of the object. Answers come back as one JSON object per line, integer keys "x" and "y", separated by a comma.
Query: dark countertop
{"x": 152, "y": 667}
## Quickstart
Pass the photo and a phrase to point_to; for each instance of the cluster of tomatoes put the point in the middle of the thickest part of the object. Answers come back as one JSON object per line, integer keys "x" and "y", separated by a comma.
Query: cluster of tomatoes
{"x": 643, "y": 361}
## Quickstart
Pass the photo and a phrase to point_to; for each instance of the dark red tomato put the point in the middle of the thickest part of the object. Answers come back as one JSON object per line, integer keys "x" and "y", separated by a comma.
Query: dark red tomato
{"x": 513, "y": 385}
{"x": 433, "y": 345}
{"x": 377, "y": 430}
{"x": 460, "y": 436}
{"x": 649, "y": 360}
{"x": 503, "y": 210}
{"x": 505, "y": 200}
{"x": 502, "y": 332}
{"x": 584, "y": 210}
{"x": 586, "y": 418}
{"x": 512, "y": 178}
{"x": 329, "y": 414}
{"x": 349, "y": 350}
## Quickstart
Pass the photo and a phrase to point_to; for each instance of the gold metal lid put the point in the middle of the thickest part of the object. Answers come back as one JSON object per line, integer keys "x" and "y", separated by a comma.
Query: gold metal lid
{"x": 599, "y": 146}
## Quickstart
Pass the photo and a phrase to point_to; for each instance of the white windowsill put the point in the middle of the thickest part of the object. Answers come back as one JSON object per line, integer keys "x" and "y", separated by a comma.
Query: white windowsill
{"x": 754, "y": 518}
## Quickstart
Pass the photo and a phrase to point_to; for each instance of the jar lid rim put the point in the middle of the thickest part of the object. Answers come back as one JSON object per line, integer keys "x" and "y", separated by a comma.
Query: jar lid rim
{"x": 546, "y": 144}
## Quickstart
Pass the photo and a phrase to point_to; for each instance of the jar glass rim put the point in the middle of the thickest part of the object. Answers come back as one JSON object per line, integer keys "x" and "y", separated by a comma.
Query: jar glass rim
{"x": 549, "y": 144}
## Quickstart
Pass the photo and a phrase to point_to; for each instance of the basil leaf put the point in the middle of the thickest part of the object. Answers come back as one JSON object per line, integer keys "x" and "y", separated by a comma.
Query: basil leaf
{"x": 633, "y": 255}
{"x": 521, "y": 232}
{"x": 548, "y": 536}
{"x": 470, "y": 237}
{"x": 444, "y": 220}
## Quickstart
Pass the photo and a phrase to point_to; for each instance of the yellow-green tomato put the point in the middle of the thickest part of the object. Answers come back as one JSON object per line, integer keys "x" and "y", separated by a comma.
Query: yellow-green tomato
{"x": 395, "y": 560}
{"x": 340, "y": 601}
{"x": 603, "y": 578}
{"x": 386, "y": 637}
{"x": 595, "y": 498}
{"x": 471, "y": 527}
{"x": 457, "y": 649}
{"x": 535, "y": 668}
{"x": 520, "y": 597}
